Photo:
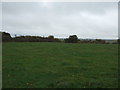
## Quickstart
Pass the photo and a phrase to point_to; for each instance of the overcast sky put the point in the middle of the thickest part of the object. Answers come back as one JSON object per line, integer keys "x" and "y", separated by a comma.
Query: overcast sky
{"x": 61, "y": 19}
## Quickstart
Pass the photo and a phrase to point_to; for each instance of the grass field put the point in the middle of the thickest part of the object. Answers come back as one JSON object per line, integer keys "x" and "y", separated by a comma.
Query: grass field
{"x": 60, "y": 65}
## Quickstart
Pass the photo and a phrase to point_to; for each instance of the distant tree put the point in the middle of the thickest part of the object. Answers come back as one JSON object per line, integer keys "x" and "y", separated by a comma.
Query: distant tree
{"x": 66, "y": 40}
{"x": 72, "y": 39}
{"x": 51, "y": 37}
{"x": 6, "y": 37}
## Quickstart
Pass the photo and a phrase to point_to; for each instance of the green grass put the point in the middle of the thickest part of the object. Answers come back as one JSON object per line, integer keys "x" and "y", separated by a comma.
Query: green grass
{"x": 59, "y": 65}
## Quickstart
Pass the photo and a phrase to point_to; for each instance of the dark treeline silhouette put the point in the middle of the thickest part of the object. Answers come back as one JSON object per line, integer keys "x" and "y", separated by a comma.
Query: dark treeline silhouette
{"x": 35, "y": 39}
{"x": 6, "y": 37}
{"x": 72, "y": 39}
{"x": 97, "y": 41}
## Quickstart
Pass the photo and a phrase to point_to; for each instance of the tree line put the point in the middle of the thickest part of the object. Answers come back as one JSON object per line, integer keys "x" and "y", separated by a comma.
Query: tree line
{"x": 6, "y": 37}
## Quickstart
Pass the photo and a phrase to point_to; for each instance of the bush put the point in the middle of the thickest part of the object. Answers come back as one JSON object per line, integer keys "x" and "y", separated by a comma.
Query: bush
{"x": 72, "y": 39}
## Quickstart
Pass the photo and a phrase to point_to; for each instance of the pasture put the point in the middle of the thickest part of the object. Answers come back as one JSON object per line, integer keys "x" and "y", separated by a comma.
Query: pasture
{"x": 59, "y": 65}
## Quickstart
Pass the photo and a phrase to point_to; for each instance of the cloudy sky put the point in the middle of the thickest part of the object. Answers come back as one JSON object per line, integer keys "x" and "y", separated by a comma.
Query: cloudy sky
{"x": 61, "y": 19}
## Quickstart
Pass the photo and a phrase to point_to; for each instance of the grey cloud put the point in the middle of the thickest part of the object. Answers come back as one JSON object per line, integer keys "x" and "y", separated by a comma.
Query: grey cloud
{"x": 92, "y": 20}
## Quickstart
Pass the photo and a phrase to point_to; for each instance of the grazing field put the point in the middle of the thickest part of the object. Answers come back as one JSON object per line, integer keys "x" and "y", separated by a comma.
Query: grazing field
{"x": 59, "y": 65}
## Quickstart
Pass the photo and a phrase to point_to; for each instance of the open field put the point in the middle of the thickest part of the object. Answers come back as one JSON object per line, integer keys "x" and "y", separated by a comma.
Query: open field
{"x": 60, "y": 65}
